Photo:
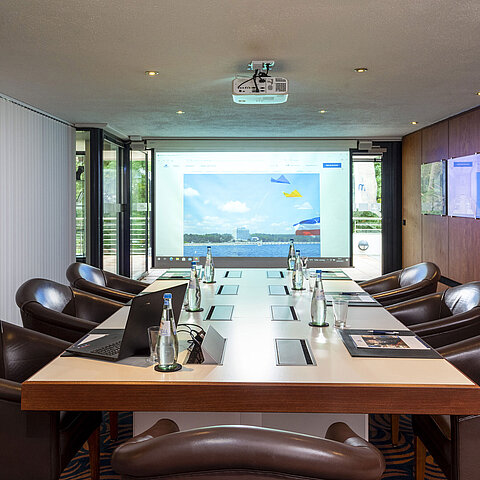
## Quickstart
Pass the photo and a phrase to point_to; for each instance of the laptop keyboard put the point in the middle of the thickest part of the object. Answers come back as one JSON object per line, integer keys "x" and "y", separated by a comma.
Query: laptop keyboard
{"x": 109, "y": 350}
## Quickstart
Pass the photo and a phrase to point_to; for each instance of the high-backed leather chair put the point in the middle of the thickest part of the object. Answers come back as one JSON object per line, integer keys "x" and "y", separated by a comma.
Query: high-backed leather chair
{"x": 241, "y": 452}
{"x": 37, "y": 445}
{"x": 452, "y": 440}
{"x": 405, "y": 284}
{"x": 444, "y": 317}
{"x": 61, "y": 311}
{"x": 100, "y": 282}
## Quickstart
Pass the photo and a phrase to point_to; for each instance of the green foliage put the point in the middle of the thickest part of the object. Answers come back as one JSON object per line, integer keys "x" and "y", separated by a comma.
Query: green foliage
{"x": 378, "y": 178}
{"x": 367, "y": 224}
{"x": 207, "y": 238}
{"x": 365, "y": 213}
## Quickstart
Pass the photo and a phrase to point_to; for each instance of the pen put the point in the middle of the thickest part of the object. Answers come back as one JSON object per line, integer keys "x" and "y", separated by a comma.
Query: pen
{"x": 383, "y": 332}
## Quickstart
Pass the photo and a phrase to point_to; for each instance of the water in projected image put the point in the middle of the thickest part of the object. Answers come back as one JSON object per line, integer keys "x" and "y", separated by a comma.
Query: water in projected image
{"x": 251, "y": 215}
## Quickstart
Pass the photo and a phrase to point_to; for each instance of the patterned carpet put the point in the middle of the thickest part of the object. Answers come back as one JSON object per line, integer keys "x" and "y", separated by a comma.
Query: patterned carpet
{"x": 400, "y": 460}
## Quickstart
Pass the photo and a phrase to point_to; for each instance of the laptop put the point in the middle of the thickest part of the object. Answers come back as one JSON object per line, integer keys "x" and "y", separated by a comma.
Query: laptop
{"x": 117, "y": 344}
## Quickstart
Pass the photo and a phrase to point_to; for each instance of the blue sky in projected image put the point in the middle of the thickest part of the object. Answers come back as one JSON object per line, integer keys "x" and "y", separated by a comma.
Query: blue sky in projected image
{"x": 220, "y": 203}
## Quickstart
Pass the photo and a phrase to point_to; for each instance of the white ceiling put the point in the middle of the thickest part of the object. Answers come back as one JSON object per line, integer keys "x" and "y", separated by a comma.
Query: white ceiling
{"x": 84, "y": 62}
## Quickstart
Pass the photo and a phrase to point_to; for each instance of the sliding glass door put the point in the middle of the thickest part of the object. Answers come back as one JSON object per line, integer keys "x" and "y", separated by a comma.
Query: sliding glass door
{"x": 111, "y": 206}
{"x": 140, "y": 210}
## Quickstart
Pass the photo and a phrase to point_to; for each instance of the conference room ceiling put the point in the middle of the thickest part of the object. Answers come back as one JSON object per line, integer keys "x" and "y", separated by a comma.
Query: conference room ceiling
{"x": 85, "y": 62}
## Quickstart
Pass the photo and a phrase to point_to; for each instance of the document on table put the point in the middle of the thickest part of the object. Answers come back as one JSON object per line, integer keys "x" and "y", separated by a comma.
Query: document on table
{"x": 354, "y": 298}
{"x": 388, "y": 341}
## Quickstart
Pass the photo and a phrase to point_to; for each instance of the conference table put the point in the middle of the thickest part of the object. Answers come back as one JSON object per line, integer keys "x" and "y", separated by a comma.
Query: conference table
{"x": 249, "y": 378}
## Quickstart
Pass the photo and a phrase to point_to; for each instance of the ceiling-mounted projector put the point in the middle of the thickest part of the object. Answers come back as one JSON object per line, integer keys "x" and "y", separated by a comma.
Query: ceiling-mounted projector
{"x": 261, "y": 88}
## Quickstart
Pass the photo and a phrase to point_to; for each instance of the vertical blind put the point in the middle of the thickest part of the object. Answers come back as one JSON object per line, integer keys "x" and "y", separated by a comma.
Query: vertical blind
{"x": 37, "y": 200}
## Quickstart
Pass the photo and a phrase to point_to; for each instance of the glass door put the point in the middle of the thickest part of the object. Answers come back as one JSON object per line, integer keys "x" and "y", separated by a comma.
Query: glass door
{"x": 140, "y": 208}
{"x": 111, "y": 206}
{"x": 367, "y": 214}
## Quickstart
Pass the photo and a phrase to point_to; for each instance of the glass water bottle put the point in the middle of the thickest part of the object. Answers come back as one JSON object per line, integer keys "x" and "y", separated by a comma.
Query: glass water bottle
{"x": 209, "y": 274}
{"x": 291, "y": 256}
{"x": 167, "y": 343}
{"x": 318, "y": 309}
{"x": 297, "y": 275}
{"x": 194, "y": 295}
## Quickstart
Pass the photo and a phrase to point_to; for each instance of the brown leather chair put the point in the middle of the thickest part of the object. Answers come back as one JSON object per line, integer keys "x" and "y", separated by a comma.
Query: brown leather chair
{"x": 37, "y": 445}
{"x": 61, "y": 311}
{"x": 444, "y": 317}
{"x": 405, "y": 284}
{"x": 241, "y": 452}
{"x": 100, "y": 282}
{"x": 452, "y": 440}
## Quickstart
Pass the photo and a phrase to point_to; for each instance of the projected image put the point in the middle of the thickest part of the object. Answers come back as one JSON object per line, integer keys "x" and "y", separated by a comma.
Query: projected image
{"x": 251, "y": 215}
{"x": 248, "y": 205}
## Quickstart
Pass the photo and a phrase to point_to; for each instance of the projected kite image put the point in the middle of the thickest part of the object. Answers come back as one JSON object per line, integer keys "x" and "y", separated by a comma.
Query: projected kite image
{"x": 251, "y": 215}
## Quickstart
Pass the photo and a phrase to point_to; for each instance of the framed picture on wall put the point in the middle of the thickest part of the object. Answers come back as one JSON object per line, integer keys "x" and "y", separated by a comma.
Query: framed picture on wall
{"x": 463, "y": 184}
{"x": 433, "y": 188}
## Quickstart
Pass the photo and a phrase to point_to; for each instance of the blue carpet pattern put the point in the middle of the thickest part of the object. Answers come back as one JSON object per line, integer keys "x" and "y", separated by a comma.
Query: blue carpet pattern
{"x": 400, "y": 460}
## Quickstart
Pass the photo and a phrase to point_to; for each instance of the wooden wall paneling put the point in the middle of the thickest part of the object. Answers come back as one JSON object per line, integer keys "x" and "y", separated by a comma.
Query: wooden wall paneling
{"x": 411, "y": 207}
{"x": 435, "y": 241}
{"x": 464, "y": 244}
{"x": 464, "y": 134}
{"x": 464, "y": 233}
{"x": 435, "y": 142}
{"x": 434, "y": 227}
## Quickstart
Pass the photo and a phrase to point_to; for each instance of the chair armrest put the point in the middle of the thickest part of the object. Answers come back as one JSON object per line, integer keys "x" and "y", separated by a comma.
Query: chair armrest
{"x": 56, "y": 324}
{"x": 93, "y": 307}
{"x": 418, "y": 310}
{"x": 124, "y": 284}
{"x": 397, "y": 295}
{"x": 26, "y": 351}
{"x": 251, "y": 450}
{"x": 10, "y": 391}
{"x": 464, "y": 355}
{"x": 452, "y": 329}
{"x": 103, "y": 291}
{"x": 382, "y": 284}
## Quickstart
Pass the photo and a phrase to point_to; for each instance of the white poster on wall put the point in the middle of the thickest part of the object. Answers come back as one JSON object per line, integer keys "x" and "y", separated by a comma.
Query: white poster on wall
{"x": 462, "y": 186}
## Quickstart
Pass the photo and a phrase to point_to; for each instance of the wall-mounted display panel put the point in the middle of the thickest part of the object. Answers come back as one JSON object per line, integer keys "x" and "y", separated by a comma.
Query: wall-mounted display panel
{"x": 463, "y": 186}
{"x": 433, "y": 188}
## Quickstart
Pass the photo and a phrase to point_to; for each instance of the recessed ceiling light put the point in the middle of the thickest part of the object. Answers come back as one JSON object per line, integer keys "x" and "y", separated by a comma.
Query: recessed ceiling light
{"x": 151, "y": 73}
{"x": 361, "y": 69}
{"x": 478, "y": 93}
{"x": 413, "y": 123}
{"x": 180, "y": 112}
{"x": 322, "y": 111}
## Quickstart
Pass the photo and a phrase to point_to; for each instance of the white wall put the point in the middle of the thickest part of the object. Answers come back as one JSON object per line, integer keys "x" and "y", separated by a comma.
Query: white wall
{"x": 37, "y": 201}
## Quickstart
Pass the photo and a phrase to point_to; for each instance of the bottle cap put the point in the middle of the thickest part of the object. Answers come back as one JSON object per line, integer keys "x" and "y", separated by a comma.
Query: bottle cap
{"x": 167, "y": 295}
{"x": 298, "y": 251}
{"x": 194, "y": 263}
{"x": 291, "y": 239}
{"x": 318, "y": 271}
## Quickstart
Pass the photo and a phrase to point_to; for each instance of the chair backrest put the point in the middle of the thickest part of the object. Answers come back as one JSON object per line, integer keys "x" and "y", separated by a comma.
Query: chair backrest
{"x": 23, "y": 352}
{"x": 463, "y": 298}
{"x": 417, "y": 273}
{"x": 77, "y": 271}
{"x": 50, "y": 294}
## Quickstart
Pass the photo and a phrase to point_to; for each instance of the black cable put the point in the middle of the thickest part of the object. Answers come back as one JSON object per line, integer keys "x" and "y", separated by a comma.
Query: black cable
{"x": 248, "y": 80}
{"x": 190, "y": 326}
{"x": 255, "y": 82}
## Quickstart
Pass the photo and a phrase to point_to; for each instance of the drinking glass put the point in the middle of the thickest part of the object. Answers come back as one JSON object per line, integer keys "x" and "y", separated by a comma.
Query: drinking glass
{"x": 340, "y": 311}
{"x": 312, "y": 276}
{"x": 152, "y": 341}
